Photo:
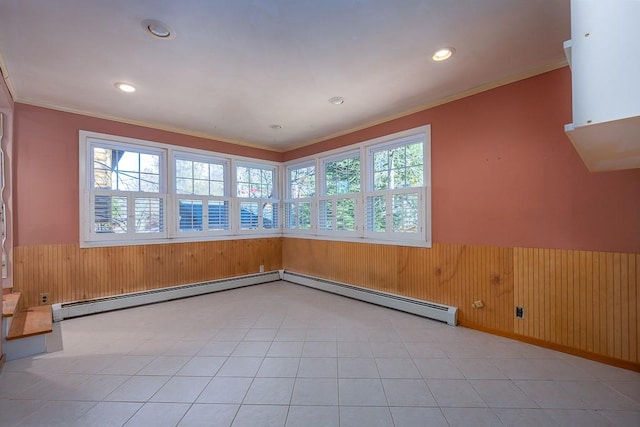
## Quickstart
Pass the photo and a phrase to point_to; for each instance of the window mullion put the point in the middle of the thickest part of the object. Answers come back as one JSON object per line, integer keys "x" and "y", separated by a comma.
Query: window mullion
{"x": 171, "y": 220}
{"x": 205, "y": 213}
{"x": 130, "y": 215}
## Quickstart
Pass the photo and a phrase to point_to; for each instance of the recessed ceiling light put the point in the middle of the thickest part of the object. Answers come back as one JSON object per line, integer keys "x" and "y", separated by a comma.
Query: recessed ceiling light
{"x": 125, "y": 87}
{"x": 442, "y": 54}
{"x": 157, "y": 29}
{"x": 336, "y": 100}
{"x": 275, "y": 127}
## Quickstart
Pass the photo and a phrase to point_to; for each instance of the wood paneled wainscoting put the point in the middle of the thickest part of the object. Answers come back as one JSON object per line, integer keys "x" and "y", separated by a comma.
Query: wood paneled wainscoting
{"x": 579, "y": 302}
{"x": 70, "y": 273}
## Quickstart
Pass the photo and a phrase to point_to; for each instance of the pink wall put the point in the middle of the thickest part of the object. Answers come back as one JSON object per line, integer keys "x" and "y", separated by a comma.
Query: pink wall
{"x": 505, "y": 174}
{"x": 503, "y": 171}
{"x": 46, "y": 168}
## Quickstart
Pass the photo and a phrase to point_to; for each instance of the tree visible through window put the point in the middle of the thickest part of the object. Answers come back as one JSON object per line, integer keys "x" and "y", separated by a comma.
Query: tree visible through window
{"x": 302, "y": 182}
{"x": 120, "y": 178}
{"x": 342, "y": 181}
{"x": 256, "y": 182}
{"x": 302, "y": 188}
{"x": 396, "y": 169}
{"x": 125, "y": 170}
{"x": 342, "y": 176}
{"x": 199, "y": 177}
{"x": 376, "y": 190}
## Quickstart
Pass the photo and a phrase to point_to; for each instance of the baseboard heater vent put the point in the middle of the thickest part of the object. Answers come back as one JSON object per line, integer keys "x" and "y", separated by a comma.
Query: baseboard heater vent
{"x": 443, "y": 313}
{"x": 83, "y": 308}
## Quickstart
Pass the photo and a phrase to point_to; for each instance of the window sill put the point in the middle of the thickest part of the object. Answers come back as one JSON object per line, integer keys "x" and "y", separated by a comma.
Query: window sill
{"x": 357, "y": 239}
{"x": 246, "y": 236}
{"x": 170, "y": 240}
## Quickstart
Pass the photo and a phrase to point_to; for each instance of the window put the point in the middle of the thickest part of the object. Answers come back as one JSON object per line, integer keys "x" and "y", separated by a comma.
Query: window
{"x": 134, "y": 192}
{"x": 399, "y": 166}
{"x": 302, "y": 181}
{"x": 258, "y": 205}
{"x": 394, "y": 203}
{"x": 255, "y": 181}
{"x": 298, "y": 207}
{"x": 202, "y": 195}
{"x": 378, "y": 191}
{"x": 125, "y": 191}
{"x": 342, "y": 176}
{"x": 337, "y": 207}
{"x": 200, "y": 177}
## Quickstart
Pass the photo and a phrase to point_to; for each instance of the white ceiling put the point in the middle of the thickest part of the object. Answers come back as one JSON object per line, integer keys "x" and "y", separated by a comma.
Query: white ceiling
{"x": 235, "y": 67}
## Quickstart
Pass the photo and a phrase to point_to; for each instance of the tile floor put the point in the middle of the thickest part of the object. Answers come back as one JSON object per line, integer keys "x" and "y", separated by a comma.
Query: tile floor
{"x": 280, "y": 354}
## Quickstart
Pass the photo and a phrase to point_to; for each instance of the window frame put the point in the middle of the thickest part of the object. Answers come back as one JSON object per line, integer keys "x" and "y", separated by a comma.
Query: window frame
{"x": 400, "y": 142}
{"x": 205, "y": 199}
{"x": 168, "y": 193}
{"x": 296, "y": 202}
{"x": 389, "y": 233}
{"x": 254, "y": 165}
{"x": 343, "y": 155}
{"x": 365, "y": 150}
{"x": 421, "y": 191}
{"x": 280, "y": 186}
{"x": 131, "y": 196}
{"x": 262, "y": 201}
{"x": 336, "y": 198}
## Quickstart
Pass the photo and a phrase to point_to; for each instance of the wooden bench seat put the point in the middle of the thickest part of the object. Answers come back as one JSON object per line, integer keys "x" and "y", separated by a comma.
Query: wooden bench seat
{"x": 9, "y": 304}
{"x": 31, "y": 321}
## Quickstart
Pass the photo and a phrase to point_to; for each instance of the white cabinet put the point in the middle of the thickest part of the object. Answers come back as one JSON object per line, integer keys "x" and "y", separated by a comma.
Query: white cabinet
{"x": 604, "y": 54}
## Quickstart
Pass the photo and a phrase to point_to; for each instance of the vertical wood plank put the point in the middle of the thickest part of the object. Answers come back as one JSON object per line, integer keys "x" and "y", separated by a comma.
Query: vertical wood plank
{"x": 624, "y": 306}
{"x": 69, "y": 273}
{"x": 581, "y": 299}
{"x": 617, "y": 302}
{"x": 633, "y": 308}
{"x": 584, "y": 307}
{"x": 603, "y": 299}
{"x": 595, "y": 279}
{"x": 517, "y": 282}
{"x": 610, "y": 305}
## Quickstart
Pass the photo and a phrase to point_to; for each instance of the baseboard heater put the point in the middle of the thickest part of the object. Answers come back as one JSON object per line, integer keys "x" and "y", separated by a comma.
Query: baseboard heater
{"x": 99, "y": 305}
{"x": 443, "y": 313}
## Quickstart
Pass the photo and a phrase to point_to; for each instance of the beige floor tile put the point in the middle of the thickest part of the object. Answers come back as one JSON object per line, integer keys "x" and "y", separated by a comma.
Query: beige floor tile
{"x": 270, "y": 391}
{"x": 260, "y": 415}
{"x": 471, "y": 417}
{"x": 357, "y": 416}
{"x": 313, "y": 416}
{"x": 225, "y": 390}
{"x": 413, "y": 417}
{"x": 181, "y": 390}
{"x": 106, "y": 414}
{"x": 158, "y": 415}
{"x": 455, "y": 393}
{"x": 279, "y": 367}
{"x": 208, "y": 414}
{"x": 280, "y": 353}
{"x": 361, "y": 392}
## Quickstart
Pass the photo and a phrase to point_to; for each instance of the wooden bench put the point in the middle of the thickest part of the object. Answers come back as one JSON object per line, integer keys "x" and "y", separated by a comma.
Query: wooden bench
{"x": 28, "y": 322}
{"x": 9, "y": 304}
{"x": 27, "y": 331}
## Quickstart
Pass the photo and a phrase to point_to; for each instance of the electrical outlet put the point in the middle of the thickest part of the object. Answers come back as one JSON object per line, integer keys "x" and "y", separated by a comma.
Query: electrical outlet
{"x": 520, "y": 312}
{"x": 261, "y": 268}
{"x": 44, "y": 298}
{"x": 478, "y": 304}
